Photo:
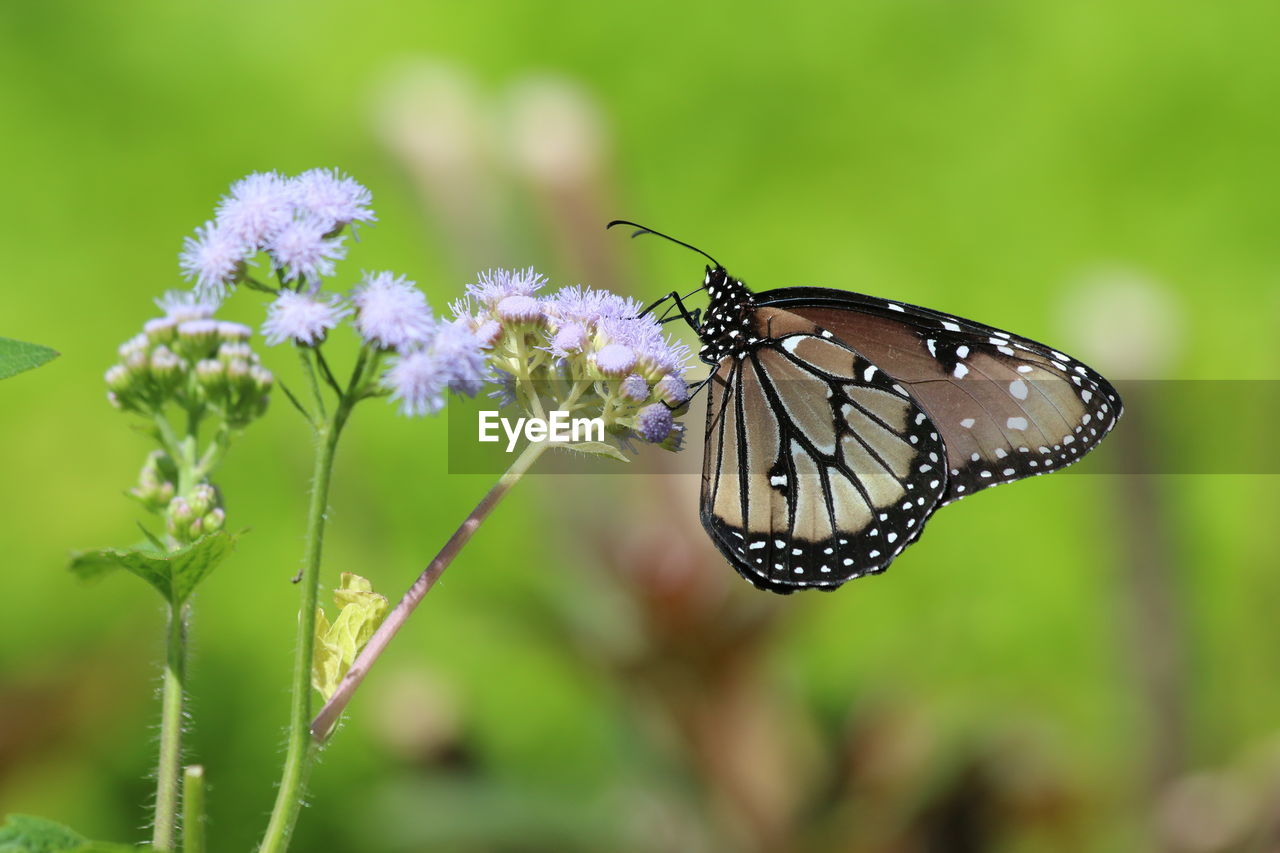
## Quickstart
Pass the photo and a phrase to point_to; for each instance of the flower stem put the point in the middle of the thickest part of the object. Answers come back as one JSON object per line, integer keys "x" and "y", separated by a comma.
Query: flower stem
{"x": 325, "y": 721}
{"x": 166, "y": 822}
{"x": 193, "y": 814}
{"x": 299, "y": 752}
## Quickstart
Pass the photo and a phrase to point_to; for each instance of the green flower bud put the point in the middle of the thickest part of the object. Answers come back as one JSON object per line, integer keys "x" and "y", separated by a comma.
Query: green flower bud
{"x": 136, "y": 344}
{"x": 167, "y": 368}
{"x": 235, "y": 351}
{"x": 211, "y": 376}
{"x": 202, "y": 499}
{"x": 233, "y": 332}
{"x": 214, "y": 521}
{"x": 161, "y": 330}
{"x": 197, "y": 338}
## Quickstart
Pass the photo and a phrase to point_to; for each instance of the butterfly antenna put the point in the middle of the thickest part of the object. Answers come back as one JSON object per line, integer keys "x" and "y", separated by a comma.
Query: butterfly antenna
{"x": 643, "y": 230}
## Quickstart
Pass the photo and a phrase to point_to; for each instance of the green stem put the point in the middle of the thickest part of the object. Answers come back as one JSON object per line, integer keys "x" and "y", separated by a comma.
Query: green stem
{"x": 166, "y": 822}
{"x": 193, "y": 814}
{"x": 325, "y": 721}
{"x": 299, "y": 753}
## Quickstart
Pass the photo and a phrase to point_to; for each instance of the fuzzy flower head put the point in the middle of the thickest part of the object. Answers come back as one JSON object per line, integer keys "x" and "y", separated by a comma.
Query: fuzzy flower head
{"x": 391, "y": 312}
{"x": 214, "y": 257}
{"x": 331, "y": 197}
{"x": 453, "y": 360}
{"x": 493, "y": 286}
{"x": 304, "y": 252}
{"x": 585, "y": 350}
{"x": 297, "y": 221}
{"x": 303, "y": 318}
{"x": 256, "y": 208}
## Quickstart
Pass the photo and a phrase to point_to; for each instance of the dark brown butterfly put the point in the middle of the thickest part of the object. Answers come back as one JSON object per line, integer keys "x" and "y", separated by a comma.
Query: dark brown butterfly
{"x": 838, "y": 423}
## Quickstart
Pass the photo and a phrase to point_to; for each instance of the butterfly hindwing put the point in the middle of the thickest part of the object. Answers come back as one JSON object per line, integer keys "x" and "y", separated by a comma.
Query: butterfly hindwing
{"x": 819, "y": 467}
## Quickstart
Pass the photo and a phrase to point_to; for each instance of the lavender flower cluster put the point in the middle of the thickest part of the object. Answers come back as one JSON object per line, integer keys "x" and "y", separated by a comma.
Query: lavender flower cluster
{"x": 582, "y": 349}
{"x": 297, "y": 221}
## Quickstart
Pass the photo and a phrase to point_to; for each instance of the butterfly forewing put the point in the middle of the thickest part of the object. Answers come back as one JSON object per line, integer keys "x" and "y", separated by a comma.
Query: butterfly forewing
{"x": 1007, "y": 407}
{"x": 819, "y": 467}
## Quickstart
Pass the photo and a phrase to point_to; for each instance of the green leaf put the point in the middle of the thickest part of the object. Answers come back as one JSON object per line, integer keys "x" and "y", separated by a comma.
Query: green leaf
{"x": 17, "y": 356}
{"x": 362, "y": 611}
{"x": 29, "y": 834}
{"x": 597, "y": 448}
{"x": 175, "y": 575}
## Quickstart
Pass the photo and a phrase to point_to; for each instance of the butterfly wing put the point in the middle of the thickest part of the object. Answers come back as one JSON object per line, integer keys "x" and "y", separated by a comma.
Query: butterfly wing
{"x": 819, "y": 468}
{"x": 1007, "y": 407}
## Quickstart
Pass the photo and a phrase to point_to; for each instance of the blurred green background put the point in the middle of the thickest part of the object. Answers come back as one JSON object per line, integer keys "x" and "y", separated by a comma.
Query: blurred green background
{"x": 1078, "y": 662}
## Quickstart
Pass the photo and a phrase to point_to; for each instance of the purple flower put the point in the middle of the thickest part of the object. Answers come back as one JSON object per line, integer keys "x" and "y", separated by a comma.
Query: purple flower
{"x": 418, "y": 381}
{"x": 257, "y": 207}
{"x": 487, "y": 332}
{"x": 454, "y": 360}
{"x": 463, "y": 356}
{"x": 654, "y": 423}
{"x": 213, "y": 258}
{"x": 303, "y": 318}
{"x": 492, "y": 286}
{"x": 301, "y": 249}
{"x": 520, "y": 309}
{"x": 615, "y": 359}
{"x": 569, "y": 339}
{"x": 588, "y": 306}
{"x": 645, "y": 337}
{"x": 391, "y": 312}
{"x": 331, "y": 197}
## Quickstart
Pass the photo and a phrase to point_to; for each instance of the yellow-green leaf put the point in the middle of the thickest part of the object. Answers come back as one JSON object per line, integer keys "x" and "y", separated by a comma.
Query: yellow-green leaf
{"x": 361, "y": 611}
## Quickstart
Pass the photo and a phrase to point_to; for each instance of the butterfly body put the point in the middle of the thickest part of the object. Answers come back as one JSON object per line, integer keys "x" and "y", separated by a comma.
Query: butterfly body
{"x": 839, "y": 422}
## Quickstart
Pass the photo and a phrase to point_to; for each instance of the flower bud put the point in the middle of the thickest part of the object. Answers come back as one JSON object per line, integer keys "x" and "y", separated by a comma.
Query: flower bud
{"x": 119, "y": 379}
{"x": 654, "y": 423}
{"x": 233, "y": 332}
{"x": 211, "y": 376}
{"x": 615, "y": 359}
{"x": 673, "y": 390}
{"x": 202, "y": 499}
{"x": 488, "y": 332}
{"x": 233, "y": 351}
{"x": 161, "y": 330}
{"x": 166, "y": 367}
{"x": 214, "y": 521}
{"x": 520, "y": 309}
{"x": 135, "y": 345}
{"x": 197, "y": 338}
{"x": 261, "y": 378}
{"x": 634, "y": 387}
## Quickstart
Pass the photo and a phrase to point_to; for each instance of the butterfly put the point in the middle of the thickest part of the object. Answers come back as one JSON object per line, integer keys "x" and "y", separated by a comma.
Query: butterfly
{"x": 838, "y": 423}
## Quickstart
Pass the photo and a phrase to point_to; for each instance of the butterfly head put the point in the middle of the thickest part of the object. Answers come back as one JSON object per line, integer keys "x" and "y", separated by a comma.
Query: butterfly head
{"x": 728, "y": 330}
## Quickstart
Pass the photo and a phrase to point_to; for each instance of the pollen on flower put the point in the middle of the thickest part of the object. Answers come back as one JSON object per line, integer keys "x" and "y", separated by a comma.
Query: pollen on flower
{"x": 302, "y": 317}
{"x": 391, "y": 312}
